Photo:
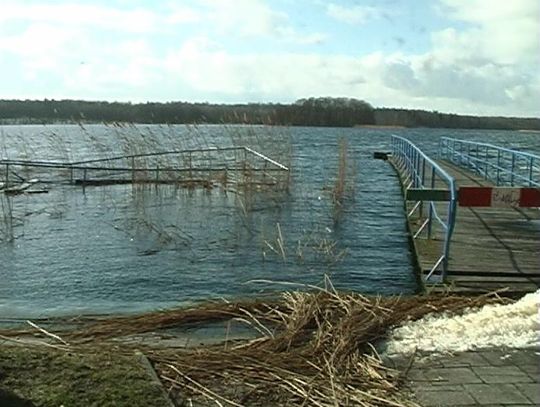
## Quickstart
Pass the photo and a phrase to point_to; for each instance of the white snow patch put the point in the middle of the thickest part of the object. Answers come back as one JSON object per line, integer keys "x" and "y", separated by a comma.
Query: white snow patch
{"x": 515, "y": 325}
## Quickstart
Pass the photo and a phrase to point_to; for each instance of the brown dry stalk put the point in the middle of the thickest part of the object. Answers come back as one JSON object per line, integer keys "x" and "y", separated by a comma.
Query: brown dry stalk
{"x": 316, "y": 348}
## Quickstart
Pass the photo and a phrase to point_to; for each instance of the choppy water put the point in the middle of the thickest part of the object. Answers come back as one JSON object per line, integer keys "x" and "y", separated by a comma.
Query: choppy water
{"x": 89, "y": 253}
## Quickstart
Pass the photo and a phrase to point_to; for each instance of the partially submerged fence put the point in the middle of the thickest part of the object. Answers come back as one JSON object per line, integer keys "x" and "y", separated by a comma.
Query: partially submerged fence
{"x": 432, "y": 222}
{"x": 502, "y": 166}
{"x": 205, "y": 166}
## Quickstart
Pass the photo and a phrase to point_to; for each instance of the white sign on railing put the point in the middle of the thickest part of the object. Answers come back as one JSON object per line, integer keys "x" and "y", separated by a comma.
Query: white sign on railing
{"x": 505, "y": 197}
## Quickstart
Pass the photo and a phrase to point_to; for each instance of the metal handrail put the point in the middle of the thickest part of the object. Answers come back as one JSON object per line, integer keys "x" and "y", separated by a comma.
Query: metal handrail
{"x": 94, "y": 164}
{"x": 503, "y": 166}
{"x": 422, "y": 172}
{"x": 83, "y": 164}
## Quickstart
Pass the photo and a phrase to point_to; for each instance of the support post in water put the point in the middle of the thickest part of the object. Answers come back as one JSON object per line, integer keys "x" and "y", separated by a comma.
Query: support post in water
{"x": 84, "y": 181}
{"x": 7, "y": 177}
{"x": 133, "y": 170}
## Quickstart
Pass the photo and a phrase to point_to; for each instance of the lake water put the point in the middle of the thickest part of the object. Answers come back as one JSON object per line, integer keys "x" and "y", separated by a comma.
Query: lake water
{"x": 76, "y": 253}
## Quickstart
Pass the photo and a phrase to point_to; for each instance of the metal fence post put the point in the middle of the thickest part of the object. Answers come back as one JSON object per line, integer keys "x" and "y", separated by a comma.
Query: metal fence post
{"x": 430, "y": 216}
{"x": 531, "y": 166}
{"x": 423, "y": 180}
{"x": 512, "y": 169}
{"x": 486, "y": 163}
{"x": 498, "y": 167}
{"x": 133, "y": 170}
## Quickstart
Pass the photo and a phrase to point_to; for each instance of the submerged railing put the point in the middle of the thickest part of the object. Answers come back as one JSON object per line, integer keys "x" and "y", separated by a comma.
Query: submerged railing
{"x": 502, "y": 166}
{"x": 157, "y": 167}
{"x": 436, "y": 222}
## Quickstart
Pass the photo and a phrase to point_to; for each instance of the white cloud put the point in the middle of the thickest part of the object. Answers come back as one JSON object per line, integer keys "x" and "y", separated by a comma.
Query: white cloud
{"x": 80, "y": 15}
{"x": 41, "y": 47}
{"x": 255, "y": 18}
{"x": 208, "y": 68}
{"x": 502, "y": 31}
{"x": 352, "y": 14}
{"x": 182, "y": 15}
{"x": 245, "y": 17}
{"x": 489, "y": 67}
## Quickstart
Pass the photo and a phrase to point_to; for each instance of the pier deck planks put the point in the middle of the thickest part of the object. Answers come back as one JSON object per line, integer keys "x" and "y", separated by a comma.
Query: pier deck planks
{"x": 491, "y": 248}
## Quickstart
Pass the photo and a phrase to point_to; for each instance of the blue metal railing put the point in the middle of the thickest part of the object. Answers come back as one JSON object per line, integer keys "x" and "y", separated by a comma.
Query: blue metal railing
{"x": 421, "y": 172}
{"x": 502, "y": 166}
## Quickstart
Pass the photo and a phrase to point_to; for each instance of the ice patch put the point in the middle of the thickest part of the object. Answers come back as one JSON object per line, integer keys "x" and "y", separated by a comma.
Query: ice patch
{"x": 515, "y": 325}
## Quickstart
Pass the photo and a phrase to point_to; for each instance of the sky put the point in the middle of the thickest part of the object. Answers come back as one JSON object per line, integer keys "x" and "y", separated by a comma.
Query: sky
{"x": 478, "y": 57}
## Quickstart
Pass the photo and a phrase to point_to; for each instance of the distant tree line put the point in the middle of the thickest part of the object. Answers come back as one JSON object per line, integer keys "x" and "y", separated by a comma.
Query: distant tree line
{"x": 322, "y": 111}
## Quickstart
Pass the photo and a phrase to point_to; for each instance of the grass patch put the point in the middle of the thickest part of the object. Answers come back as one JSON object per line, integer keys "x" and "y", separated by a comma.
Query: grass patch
{"x": 50, "y": 377}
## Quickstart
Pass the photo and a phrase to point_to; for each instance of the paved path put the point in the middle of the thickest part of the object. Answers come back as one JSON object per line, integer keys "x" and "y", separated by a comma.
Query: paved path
{"x": 487, "y": 378}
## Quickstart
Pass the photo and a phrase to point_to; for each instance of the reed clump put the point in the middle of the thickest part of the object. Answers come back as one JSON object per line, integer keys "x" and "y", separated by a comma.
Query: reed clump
{"x": 315, "y": 348}
{"x": 318, "y": 352}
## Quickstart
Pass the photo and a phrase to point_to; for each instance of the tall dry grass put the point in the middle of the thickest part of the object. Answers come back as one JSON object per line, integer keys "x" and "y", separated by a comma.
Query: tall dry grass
{"x": 314, "y": 348}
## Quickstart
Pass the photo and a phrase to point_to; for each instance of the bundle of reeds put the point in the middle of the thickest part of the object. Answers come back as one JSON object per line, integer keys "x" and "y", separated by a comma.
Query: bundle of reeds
{"x": 314, "y": 348}
{"x": 318, "y": 352}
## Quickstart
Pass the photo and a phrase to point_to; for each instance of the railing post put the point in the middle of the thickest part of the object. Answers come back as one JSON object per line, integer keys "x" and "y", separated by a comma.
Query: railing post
{"x": 417, "y": 170}
{"x": 430, "y": 216}
{"x": 190, "y": 167}
{"x": 452, "y": 207}
{"x": 498, "y": 167}
{"x": 476, "y": 159}
{"x": 422, "y": 185}
{"x": 512, "y": 169}
{"x": 486, "y": 163}
{"x": 531, "y": 166}
{"x": 7, "y": 177}
{"x": 132, "y": 170}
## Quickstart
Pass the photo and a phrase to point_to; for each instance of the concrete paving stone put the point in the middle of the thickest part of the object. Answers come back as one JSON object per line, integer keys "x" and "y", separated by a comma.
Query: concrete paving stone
{"x": 398, "y": 362}
{"x": 526, "y": 356}
{"x": 501, "y": 374}
{"x": 427, "y": 360}
{"x": 533, "y": 370}
{"x": 429, "y": 387}
{"x": 452, "y": 375}
{"x": 443, "y": 397}
{"x": 464, "y": 359}
{"x": 418, "y": 375}
{"x": 500, "y": 357}
{"x": 531, "y": 390}
{"x": 496, "y": 393}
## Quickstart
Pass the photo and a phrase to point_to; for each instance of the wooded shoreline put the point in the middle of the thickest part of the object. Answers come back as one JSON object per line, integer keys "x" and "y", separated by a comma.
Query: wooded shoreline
{"x": 320, "y": 112}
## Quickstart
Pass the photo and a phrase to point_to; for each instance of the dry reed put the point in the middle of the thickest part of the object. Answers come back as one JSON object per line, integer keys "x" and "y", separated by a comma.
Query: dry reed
{"x": 314, "y": 348}
{"x": 320, "y": 354}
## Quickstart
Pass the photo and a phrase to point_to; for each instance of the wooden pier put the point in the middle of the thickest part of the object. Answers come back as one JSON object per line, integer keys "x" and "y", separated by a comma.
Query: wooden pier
{"x": 491, "y": 248}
